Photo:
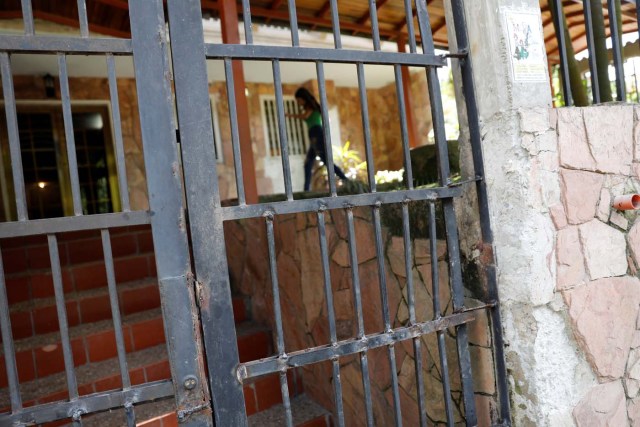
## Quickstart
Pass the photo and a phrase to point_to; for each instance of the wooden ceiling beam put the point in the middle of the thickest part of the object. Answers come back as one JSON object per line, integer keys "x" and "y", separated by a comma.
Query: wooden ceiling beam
{"x": 70, "y": 22}
{"x": 118, "y": 4}
{"x": 324, "y": 11}
{"x": 365, "y": 16}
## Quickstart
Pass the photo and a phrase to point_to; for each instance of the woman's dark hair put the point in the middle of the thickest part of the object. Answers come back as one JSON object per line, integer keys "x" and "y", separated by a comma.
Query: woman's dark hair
{"x": 309, "y": 101}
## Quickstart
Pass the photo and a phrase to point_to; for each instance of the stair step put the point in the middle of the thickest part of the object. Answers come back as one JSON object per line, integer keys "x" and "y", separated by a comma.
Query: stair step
{"x": 306, "y": 413}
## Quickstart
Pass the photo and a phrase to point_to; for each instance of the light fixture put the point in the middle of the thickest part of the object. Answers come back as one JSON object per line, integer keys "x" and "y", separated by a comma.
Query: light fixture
{"x": 49, "y": 86}
{"x": 42, "y": 184}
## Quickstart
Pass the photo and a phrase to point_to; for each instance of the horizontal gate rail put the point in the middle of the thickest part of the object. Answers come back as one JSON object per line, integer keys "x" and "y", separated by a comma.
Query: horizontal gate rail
{"x": 311, "y": 205}
{"x": 89, "y": 404}
{"x": 257, "y": 52}
{"x": 79, "y": 223}
{"x": 353, "y": 346}
{"x": 51, "y": 44}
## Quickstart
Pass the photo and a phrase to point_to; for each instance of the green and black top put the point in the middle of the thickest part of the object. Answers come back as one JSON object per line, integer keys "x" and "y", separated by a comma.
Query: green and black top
{"x": 315, "y": 119}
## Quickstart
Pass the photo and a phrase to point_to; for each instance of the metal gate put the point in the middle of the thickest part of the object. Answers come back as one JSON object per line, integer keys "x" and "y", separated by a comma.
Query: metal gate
{"x": 219, "y": 398}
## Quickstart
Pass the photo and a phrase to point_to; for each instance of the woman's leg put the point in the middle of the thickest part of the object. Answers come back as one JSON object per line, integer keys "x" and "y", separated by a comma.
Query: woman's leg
{"x": 308, "y": 167}
{"x": 319, "y": 136}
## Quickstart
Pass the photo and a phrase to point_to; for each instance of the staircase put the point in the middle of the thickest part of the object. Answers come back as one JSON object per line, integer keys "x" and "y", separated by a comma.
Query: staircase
{"x": 38, "y": 348}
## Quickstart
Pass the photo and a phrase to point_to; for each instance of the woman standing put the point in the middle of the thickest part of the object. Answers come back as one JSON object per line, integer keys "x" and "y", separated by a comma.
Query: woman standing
{"x": 313, "y": 118}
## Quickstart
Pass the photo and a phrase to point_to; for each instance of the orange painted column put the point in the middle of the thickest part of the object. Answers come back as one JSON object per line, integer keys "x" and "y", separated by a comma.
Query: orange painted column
{"x": 406, "y": 86}
{"x": 231, "y": 35}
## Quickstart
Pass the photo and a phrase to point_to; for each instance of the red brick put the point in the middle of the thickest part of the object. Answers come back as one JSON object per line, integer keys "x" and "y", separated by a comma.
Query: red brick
{"x": 250, "y": 400}
{"x": 14, "y": 260}
{"x": 73, "y": 318}
{"x": 145, "y": 242}
{"x": 39, "y": 258}
{"x": 94, "y": 309}
{"x": 85, "y": 389}
{"x": 154, "y": 422}
{"x": 239, "y": 310}
{"x": 21, "y": 325}
{"x": 49, "y": 362}
{"x": 137, "y": 376}
{"x": 42, "y": 285}
{"x": 123, "y": 245}
{"x": 153, "y": 271}
{"x": 85, "y": 250}
{"x": 170, "y": 420}
{"x": 141, "y": 299}
{"x": 268, "y": 392}
{"x": 89, "y": 276}
{"x": 321, "y": 421}
{"x": 45, "y": 319}
{"x": 130, "y": 269}
{"x": 17, "y": 289}
{"x": 147, "y": 333}
{"x": 59, "y": 423}
{"x": 254, "y": 346}
{"x": 3, "y": 373}
{"x": 113, "y": 382}
{"x": 158, "y": 371}
{"x": 101, "y": 345}
{"x": 26, "y": 369}
{"x": 61, "y": 395}
{"x": 79, "y": 352}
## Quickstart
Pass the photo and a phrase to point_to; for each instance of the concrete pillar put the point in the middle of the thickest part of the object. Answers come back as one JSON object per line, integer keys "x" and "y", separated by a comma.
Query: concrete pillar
{"x": 519, "y": 145}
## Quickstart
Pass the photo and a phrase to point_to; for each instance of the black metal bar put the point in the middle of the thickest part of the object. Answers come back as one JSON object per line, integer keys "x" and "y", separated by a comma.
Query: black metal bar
{"x": 307, "y": 54}
{"x": 437, "y": 313}
{"x": 282, "y": 130}
{"x": 366, "y": 126}
{"x": 593, "y": 67}
{"x": 69, "y": 134}
{"x": 14, "y": 136}
{"x": 335, "y": 24}
{"x": 326, "y": 126}
{"x": 394, "y": 385}
{"x": 562, "y": 50}
{"x": 357, "y": 301}
{"x": 235, "y": 134}
{"x": 69, "y": 45}
{"x": 375, "y": 29}
{"x": 366, "y": 199}
{"x": 614, "y": 25}
{"x": 328, "y": 292}
{"x": 27, "y": 18}
{"x": 7, "y": 345}
{"x": 402, "y": 112}
{"x": 246, "y": 20}
{"x": 286, "y": 401}
{"x": 82, "y": 18}
{"x": 115, "y": 307}
{"x": 64, "y": 224}
{"x": 293, "y": 23}
{"x": 164, "y": 182}
{"x": 417, "y": 350}
{"x": 410, "y": 30}
{"x": 62, "y": 317}
{"x": 309, "y": 356}
{"x": 88, "y": 404}
{"x": 483, "y": 208}
{"x": 121, "y": 167}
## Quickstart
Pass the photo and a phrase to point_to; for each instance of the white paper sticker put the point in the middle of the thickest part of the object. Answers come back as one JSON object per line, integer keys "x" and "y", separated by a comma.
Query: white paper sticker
{"x": 526, "y": 46}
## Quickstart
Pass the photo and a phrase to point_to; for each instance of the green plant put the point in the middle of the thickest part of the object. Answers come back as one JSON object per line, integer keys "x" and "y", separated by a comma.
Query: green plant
{"x": 347, "y": 159}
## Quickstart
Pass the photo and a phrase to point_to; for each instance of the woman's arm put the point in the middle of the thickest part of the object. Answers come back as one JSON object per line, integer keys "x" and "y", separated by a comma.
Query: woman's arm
{"x": 302, "y": 116}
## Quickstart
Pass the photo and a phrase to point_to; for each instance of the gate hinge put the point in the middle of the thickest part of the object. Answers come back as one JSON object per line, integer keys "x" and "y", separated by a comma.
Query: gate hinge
{"x": 184, "y": 413}
{"x": 461, "y": 54}
{"x": 199, "y": 297}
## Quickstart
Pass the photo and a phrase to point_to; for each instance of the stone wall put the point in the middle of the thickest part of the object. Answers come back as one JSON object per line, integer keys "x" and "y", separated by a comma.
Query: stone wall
{"x": 305, "y": 321}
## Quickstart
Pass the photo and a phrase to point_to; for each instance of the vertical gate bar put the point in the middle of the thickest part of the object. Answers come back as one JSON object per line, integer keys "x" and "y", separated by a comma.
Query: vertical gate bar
{"x": 384, "y": 299}
{"x": 408, "y": 10}
{"x": 357, "y": 301}
{"x": 326, "y": 275}
{"x": 282, "y": 129}
{"x": 82, "y": 17}
{"x": 164, "y": 182}
{"x": 62, "y": 316}
{"x": 617, "y": 54}
{"x": 115, "y": 307}
{"x": 364, "y": 112}
{"x": 483, "y": 207}
{"x": 326, "y": 127}
{"x": 277, "y": 312}
{"x": 235, "y": 134}
{"x": 562, "y": 49}
{"x": 588, "y": 22}
{"x": 449, "y": 215}
{"x": 417, "y": 348}
{"x": 335, "y": 23}
{"x": 8, "y": 346}
{"x": 293, "y": 23}
{"x": 437, "y": 313}
{"x": 69, "y": 134}
{"x": 375, "y": 30}
{"x": 246, "y": 20}
{"x": 27, "y": 17}
{"x": 121, "y": 166}
{"x": 14, "y": 136}
{"x": 402, "y": 111}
